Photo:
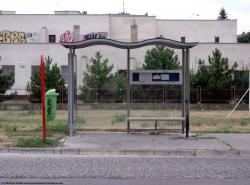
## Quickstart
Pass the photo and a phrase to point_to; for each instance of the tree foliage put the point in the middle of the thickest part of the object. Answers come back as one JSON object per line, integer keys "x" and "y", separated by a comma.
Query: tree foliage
{"x": 98, "y": 72}
{"x": 6, "y": 81}
{"x": 244, "y": 37}
{"x": 160, "y": 57}
{"x": 241, "y": 79}
{"x": 53, "y": 79}
{"x": 223, "y": 14}
{"x": 200, "y": 78}
{"x": 217, "y": 75}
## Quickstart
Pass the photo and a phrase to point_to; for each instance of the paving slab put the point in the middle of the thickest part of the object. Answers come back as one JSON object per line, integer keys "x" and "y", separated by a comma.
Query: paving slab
{"x": 144, "y": 141}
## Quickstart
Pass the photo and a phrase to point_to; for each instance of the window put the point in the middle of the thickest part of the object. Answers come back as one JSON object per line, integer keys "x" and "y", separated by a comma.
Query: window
{"x": 64, "y": 70}
{"x": 9, "y": 69}
{"x": 34, "y": 68}
{"x": 183, "y": 39}
{"x": 216, "y": 39}
{"x": 52, "y": 38}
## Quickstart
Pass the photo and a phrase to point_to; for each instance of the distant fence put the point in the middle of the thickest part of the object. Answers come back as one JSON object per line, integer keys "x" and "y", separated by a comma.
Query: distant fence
{"x": 138, "y": 95}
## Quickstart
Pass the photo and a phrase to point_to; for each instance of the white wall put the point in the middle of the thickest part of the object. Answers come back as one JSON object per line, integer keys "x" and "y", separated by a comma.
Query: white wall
{"x": 120, "y": 27}
{"x": 198, "y": 30}
{"x": 55, "y": 24}
{"x": 235, "y": 52}
{"x": 23, "y": 56}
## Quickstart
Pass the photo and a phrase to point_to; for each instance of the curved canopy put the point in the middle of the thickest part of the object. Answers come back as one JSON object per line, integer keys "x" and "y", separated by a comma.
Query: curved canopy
{"x": 129, "y": 45}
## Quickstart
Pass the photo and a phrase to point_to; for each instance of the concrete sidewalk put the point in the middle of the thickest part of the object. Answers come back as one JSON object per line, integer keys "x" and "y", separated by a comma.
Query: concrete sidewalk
{"x": 163, "y": 144}
{"x": 146, "y": 144}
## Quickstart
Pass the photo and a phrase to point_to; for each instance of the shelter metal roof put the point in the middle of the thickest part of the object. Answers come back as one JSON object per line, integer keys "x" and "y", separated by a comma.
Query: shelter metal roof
{"x": 129, "y": 45}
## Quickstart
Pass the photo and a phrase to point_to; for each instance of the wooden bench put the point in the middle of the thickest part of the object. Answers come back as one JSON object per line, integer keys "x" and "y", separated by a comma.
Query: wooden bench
{"x": 156, "y": 119}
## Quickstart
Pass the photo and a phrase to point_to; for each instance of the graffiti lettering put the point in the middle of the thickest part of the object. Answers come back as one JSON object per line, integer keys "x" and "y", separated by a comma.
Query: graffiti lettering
{"x": 14, "y": 37}
{"x": 97, "y": 35}
{"x": 68, "y": 37}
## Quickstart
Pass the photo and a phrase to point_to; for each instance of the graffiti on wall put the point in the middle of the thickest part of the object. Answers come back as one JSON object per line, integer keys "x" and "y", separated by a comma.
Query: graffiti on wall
{"x": 68, "y": 37}
{"x": 14, "y": 37}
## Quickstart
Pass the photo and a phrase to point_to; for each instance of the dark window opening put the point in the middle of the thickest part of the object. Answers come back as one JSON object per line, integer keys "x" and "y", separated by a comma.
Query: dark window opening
{"x": 217, "y": 39}
{"x": 52, "y": 38}
{"x": 9, "y": 69}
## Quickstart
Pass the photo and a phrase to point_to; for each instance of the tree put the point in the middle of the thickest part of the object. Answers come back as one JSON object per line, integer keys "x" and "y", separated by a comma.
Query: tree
{"x": 6, "y": 81}
{"x": 160, "y": 57}
{"x": 200, "y": 78}
{"x": 97, "y": 76}
{"x": 218, "y": 75}
{"x": 120, "y": 85}
{"x": 98, "y": 72}
{"x": 223, "y": 14}
{"x": 244, "y": 37}
{"x": 53, "y": 79}
{"x": 241, "y": 79}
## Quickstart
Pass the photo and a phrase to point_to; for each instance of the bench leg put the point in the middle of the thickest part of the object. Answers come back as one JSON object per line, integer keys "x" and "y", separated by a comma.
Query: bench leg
{"x": 155, "y": 125}
{"x": 187, "y": 127}
{"x": 128, "y": 126}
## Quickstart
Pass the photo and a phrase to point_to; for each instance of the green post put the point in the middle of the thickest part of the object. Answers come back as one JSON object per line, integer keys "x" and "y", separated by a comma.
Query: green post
{"x": 50, "y": 104}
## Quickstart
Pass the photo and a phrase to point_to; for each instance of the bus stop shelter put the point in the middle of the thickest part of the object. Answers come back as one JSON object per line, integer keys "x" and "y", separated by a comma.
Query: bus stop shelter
{"x": 184, "y": 46}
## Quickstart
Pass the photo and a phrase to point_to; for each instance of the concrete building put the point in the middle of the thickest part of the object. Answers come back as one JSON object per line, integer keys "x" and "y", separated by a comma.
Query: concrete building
{"x": 23, "y": 38}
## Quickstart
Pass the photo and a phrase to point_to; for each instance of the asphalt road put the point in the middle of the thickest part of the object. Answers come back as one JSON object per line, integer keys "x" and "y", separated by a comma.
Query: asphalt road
{"x": 128, "y": 167}
{"x": 105, "y": 181}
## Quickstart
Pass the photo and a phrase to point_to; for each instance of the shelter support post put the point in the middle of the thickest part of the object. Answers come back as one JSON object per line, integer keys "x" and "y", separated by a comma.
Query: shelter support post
{"x": 183, "y": 108}
{"x": 71, "y": 92}
{"x": 128, "y": 90}
{"x": 187, "y": 90}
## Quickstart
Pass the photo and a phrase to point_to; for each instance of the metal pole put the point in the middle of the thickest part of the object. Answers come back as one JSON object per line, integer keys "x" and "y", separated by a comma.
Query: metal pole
{"x": 74, "y": 89}
{"x": 42, "y": 69}
{"x": 70, "y": 92}
{"x": 128, "y": 89}
{"x": 237, "y": 103}
{"x": 187, "y": 92}
{"x": 183, "y": 89}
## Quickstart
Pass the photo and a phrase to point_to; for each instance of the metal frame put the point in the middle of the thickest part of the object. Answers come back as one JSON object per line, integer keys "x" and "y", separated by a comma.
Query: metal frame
{"x": 184, "y": 46}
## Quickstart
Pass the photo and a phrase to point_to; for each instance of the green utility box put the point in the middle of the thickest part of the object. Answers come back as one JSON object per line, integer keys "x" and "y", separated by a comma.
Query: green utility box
{"x": 50, "y": 104}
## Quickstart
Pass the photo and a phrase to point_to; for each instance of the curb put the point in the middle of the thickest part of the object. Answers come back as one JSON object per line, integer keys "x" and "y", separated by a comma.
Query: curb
{"x": 129, "y": 152}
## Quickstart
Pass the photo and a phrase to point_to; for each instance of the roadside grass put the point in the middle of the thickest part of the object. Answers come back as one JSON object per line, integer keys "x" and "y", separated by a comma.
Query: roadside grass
{"x": 36, "y": 143}
{"x": 18, "y": 125}
{"x": 118, "y": 118}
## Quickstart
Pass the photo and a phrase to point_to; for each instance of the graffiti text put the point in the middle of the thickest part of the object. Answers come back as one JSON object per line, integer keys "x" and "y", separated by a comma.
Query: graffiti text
{"x": 68, "y": 37}
{"x": 14, "y": 37}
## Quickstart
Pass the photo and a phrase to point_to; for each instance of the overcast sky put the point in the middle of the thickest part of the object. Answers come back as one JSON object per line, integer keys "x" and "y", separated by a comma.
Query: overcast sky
{"x": 162, "y": 9}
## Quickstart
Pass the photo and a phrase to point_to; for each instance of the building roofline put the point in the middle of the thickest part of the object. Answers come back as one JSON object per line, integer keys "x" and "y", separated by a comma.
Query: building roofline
{"x": 50, "y": 14}
{"x": 195, "y": 20}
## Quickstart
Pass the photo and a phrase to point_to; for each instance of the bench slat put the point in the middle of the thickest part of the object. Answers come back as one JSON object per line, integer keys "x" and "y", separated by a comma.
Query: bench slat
{"x": 156, "y": 118}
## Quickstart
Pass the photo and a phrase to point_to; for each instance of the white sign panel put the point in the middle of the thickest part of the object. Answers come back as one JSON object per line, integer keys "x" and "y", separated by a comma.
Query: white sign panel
{"x": 156, "y": 77}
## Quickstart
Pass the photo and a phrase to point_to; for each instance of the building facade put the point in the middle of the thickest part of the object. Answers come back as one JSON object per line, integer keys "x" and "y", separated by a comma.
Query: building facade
{"x": 23, "y": 38}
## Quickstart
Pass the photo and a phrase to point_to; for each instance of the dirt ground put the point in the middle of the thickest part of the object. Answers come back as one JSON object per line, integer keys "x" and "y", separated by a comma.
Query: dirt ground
{"x": 15, "y": 125}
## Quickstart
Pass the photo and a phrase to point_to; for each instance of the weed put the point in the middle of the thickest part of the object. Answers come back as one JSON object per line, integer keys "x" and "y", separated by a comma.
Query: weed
{"x": 244, "y": 122}
{"x": 144, "y": 124}
{"x": 118, "y": 118}
{"x": 10, "y": 129}
{"x": 37, "y": 142}
{"x": 81, "y": 120}
{"x": 31, "y": 112}
{"x": 60, "y": 127}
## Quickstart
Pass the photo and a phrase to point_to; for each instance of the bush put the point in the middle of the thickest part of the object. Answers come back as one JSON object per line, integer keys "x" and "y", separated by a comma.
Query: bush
{"x": 53, "y": 80}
